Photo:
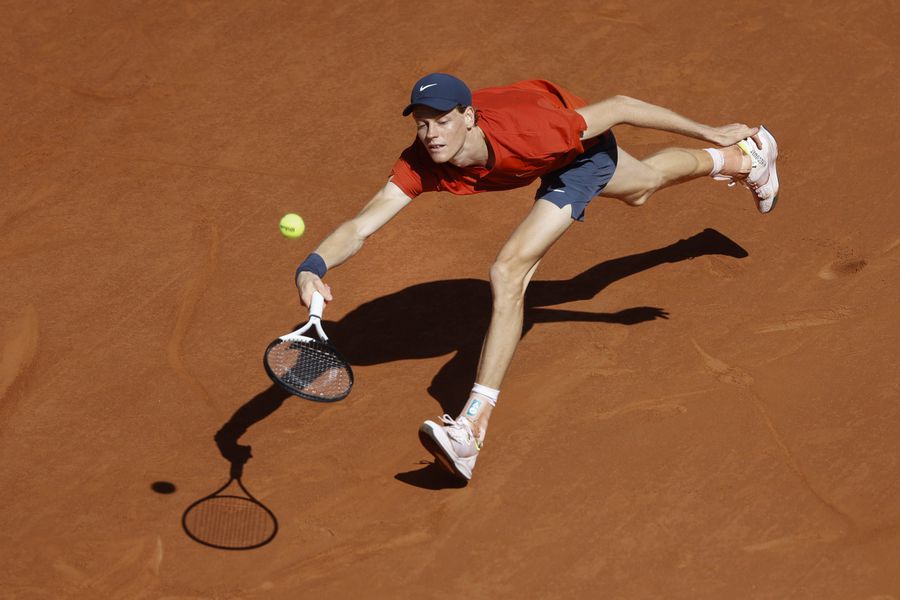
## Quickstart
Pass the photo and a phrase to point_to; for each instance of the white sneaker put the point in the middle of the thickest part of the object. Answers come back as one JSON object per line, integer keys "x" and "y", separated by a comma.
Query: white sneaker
{"x": 452, "y": 443}
{"x": 763, "y": 178}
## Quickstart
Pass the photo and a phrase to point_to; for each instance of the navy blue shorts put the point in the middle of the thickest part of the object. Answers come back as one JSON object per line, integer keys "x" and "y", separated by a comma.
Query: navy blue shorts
{"x": 577, "y": 183}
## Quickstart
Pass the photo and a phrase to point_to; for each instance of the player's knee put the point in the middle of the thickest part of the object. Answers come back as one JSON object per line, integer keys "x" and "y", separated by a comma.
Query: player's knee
{"x": 507, "y": 281}
{"x": 641, "y": 183}
{"x": 638, "y": 200}
{"x": 652, "y": 181}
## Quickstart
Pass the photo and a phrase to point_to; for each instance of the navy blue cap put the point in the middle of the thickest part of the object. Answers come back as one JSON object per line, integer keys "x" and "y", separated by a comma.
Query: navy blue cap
{"x": 439, "y": 91}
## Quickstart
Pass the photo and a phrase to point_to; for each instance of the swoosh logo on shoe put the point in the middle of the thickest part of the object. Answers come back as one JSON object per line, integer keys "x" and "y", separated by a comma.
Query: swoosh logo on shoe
{"x": 422, "y": 88}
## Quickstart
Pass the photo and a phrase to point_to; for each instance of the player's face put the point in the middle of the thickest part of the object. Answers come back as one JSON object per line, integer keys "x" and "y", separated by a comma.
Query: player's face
{"x": 442, "y": 133}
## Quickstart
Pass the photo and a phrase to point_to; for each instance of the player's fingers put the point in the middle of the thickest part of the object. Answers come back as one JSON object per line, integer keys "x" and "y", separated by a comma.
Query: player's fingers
{"x": 737, "y": 132}
{"x": 748, "y": 132}
{"x": 324, "y": 289}
{"x": 743, "y": 131}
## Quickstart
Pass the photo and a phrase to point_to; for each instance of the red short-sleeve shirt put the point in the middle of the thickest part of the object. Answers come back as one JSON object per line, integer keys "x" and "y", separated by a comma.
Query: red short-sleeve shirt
{"x": 532, "y": 129}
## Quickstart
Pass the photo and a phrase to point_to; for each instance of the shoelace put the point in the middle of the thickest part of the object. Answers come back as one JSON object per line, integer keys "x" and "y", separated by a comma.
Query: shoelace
{"x": 459, "y": 433}
{"x": 753, "y": 187}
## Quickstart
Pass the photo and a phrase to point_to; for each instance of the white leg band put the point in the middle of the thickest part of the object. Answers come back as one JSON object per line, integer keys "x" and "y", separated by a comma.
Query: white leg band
{"x": 490, "y": 393}
{"x": 718, "y": 158}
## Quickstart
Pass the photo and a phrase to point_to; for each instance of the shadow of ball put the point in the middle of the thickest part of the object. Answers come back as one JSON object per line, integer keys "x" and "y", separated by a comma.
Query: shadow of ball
{"x": 163, "y": 487}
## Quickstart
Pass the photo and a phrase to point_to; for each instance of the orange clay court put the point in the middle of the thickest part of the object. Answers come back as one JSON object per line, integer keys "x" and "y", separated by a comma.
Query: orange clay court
{"x": 705, "y": 402}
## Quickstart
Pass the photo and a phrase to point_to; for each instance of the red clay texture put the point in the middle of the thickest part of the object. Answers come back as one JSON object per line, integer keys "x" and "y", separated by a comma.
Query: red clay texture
{"x": 704, "y": 404}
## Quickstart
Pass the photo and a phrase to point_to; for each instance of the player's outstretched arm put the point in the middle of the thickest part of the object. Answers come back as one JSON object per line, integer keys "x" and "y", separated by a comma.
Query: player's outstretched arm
{"x": 348, "y": 238}
{"x": 624, "y": 110}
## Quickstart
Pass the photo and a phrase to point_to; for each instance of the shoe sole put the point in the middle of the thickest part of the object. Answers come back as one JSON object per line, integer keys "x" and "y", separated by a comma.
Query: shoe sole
{"x": 433, "y": 442}
{"x": 773, "y": 171}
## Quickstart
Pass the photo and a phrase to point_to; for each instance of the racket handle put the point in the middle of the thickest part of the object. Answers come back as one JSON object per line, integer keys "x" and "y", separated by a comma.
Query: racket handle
{"x": 316, "y": 306}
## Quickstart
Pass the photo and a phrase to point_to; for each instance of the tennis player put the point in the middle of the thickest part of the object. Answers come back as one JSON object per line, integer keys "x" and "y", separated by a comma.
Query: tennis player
{"x": 507, "y": 137}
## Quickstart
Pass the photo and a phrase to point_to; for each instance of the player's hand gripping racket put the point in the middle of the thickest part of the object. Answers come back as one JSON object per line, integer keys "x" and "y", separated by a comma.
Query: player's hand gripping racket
{"x": 308, "y": 367}
{"x": 230, "y": 520}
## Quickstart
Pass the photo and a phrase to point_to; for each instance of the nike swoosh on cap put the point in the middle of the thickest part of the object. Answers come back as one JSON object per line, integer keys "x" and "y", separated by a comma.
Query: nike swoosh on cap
{"x": 422, "y": 88}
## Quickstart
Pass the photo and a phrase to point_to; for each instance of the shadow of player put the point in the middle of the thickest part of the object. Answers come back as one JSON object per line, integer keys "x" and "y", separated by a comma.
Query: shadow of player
{"x": 450, "y": 317}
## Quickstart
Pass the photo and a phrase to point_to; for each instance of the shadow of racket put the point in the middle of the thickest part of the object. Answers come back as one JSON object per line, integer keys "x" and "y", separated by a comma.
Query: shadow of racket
{"x": 230, "y": 518}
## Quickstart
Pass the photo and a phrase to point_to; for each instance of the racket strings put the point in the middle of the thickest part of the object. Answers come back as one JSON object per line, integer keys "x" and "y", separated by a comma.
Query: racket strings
{"x": 230, "y": 522}
{"x": 311, "y": 367}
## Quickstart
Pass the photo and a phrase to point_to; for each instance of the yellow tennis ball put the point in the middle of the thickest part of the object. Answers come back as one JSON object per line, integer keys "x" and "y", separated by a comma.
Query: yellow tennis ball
{"x": 292, "y": 226}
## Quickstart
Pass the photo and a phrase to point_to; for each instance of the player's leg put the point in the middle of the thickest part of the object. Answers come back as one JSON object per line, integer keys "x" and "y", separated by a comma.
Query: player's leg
{"x": 636, "y": 180}
{"x": 511, "y": 272}
{"x": 455, "y": 443}
{"x": 751, "y": 162}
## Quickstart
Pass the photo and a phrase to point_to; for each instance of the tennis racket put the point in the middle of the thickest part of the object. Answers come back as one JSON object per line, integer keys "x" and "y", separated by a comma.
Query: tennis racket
{"x": 308, "y": 367}
{"x": 230, "y": 521}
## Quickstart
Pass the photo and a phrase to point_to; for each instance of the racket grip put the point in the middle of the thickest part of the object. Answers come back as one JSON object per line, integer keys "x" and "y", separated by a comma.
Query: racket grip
{"x": 317, "y": 305}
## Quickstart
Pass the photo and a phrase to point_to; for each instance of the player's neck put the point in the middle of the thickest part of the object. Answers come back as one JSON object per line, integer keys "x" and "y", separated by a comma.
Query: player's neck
{"x": 475, "y": 151}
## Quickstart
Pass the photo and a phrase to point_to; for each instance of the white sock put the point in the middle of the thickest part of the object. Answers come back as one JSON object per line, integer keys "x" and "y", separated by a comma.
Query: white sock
{"x": 490, "y": 393}
{"x": 718, "y": 158}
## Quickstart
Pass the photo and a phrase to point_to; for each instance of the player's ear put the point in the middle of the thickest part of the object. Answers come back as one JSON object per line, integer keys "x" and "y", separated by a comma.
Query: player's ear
{"x": 469, "y": 116}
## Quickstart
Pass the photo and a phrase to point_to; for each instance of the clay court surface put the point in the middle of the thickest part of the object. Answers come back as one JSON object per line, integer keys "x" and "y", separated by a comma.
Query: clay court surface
{"x": 705, "y": 402}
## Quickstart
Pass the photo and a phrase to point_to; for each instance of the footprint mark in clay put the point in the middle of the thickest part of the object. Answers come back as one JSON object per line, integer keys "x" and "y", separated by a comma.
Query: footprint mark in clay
{"x": 843, "y": 268}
